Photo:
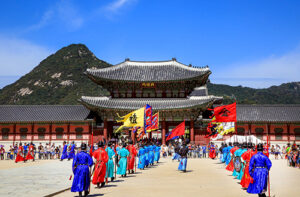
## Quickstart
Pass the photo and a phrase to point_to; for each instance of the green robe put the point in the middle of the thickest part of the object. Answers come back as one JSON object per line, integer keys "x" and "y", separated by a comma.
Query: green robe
{"x": 110, "y": 164}
{"x": 122, "y": 165}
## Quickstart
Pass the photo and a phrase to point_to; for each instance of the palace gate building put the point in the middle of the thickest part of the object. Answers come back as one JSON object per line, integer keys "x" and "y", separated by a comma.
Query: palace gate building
{"x": 177, "y": 91}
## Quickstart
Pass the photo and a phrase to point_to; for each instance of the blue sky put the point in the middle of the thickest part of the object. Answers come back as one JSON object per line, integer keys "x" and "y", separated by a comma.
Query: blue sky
{"x": 254, "y": 43}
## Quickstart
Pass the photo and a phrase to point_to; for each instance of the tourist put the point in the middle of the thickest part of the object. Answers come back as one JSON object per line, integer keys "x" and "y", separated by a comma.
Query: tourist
{"x": 123, "y": 153}
{"x": 259, "y": 168}
{"x": 64, "y": 154}
{"x": 15, "y": 150}
{"x": 204, "y": 151}
{"x": 2, "y": 151}
{"x": 183, "y": 152}
{"x": 57, "y": 152}
{"x": 81, "y": 171}
{"x": 10, "y": 153}
{"x": 277, "y": 151}
{"x": 25, "y": 149}
{"x": 101, "y": 158}
{"x": 110, "y": 167}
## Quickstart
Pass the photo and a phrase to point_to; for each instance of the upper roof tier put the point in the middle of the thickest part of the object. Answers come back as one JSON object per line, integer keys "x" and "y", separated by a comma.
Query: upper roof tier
{"x": 152, "y": 71}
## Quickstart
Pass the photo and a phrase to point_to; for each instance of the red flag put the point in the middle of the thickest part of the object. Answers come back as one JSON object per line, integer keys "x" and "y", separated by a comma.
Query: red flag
{"x": 225, "y": 113}
{"x": 178, "y": 131}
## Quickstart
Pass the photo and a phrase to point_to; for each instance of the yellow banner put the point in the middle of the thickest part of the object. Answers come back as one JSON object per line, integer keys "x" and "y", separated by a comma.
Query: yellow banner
{"x": 133, "y": 119}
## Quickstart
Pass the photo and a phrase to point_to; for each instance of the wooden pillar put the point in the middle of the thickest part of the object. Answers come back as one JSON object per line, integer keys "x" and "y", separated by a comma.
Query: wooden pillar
{"x": 288, "y": 132}
{"x": 14, "y": 134}
{"x": 192, "y": 135}
{"x": 163, "y": 134}
{"x": 68, "y": 132}
{"x": 105, "y": 129}
{"x": 50, "y": 132}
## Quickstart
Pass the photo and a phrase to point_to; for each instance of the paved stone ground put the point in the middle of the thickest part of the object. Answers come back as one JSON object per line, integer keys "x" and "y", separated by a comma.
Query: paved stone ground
{"x": 38, "y": 178}
{"x": 205, "y": 177}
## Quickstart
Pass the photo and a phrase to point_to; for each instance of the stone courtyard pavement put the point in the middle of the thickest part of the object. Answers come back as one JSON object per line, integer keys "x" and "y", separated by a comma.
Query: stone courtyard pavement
{"x": 205, "y": 177}
{"x": 38, "y": 178}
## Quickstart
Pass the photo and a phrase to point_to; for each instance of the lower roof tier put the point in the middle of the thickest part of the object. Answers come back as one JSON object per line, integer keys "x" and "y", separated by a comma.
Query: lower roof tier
{"x": 156, "y": 103}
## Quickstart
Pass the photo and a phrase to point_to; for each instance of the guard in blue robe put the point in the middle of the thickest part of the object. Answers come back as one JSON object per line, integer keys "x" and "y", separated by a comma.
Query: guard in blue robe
{"x": 151, "y": 154}
{"x": 122, "y": 165}
{"x": 110, "y": 167}
{"x": 142, "y": 158}
{"x": 64, "y": 154}
{"x": 157, "y": 153}
{"x": 81, "y": 169}
{"x": 72, "y": 151}
{"x": 228, "y": 158}
{"x": 225, "y": 153}
{"x": 259, "y": 168}
{"x": 241, "y": 173}
{"x": 146, "y": 156}
{"x": 183, "y": 157}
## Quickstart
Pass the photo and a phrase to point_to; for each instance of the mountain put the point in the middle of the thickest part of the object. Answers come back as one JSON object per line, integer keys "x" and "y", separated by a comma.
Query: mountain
{"x": 287, "y": 93}
{"x": 60, "y": 79}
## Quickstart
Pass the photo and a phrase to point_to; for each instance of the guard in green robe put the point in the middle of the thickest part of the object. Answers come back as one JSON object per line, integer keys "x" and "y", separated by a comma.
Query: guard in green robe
{"x": 122, "y": 165}
{"x": 110, "y": 164}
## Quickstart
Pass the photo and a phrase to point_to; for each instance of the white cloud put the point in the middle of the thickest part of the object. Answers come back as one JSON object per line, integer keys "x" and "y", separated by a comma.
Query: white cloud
{"x": 18, "y": 57}
{"x": 273, "y": 70}
{"x": 117, "y": 5}
{"x": 63, "y": 12}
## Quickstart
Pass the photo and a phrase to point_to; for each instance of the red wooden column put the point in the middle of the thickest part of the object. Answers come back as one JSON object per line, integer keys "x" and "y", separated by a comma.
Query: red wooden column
{"x": 105, "y": 129}
{"x": 163, "y": 135}
{"x": 192, "y": 134}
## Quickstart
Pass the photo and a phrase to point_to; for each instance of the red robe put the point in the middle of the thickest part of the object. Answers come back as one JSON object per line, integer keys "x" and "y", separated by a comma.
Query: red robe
{"x": 131, "y": 157}
{"x": 100, "y": 166}
{"x": 247, "y": 179}
{"x": 230, "y": 166}
{"x": 212, "y": 152}
{"x": 20, "y": 155}
{"x": 30, "y": 154}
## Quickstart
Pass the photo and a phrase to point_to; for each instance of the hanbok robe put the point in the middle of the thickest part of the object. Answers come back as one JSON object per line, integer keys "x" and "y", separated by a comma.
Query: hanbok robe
{"x": 230, "y": 166}
{"x": 142, "y": 158}
{"x": 72, "y": 152}
{"x": 81, "y": 170}
{"x": 228, "y": 155}
{"x": 30, "y": 154}
{"x": 110, "y": 167}
{"x": 101, "y": 157}
{"x": 151, "y": 154}
{"x": 122, "y": 165}
{"x": 146, "y": 155}
{"x": 20, "y": 155}
{"x": 259, "y": 167}
{"x": 157, "y": 153}
{"x": 247, "y": 179}
{"x": 212, "y": 152}
{"x": 239, "y": 153}
{"x": 131, "y": 158}
{"x": 64, "y": 154}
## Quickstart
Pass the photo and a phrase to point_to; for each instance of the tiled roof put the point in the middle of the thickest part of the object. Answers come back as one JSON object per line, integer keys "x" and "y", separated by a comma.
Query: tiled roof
{"x": 42, "y": 113}
{"x": 200, "y": 91}
{"x": 149, "y": 71}
{"x": 268, "y": 113}
{"x": 156, "y": 103}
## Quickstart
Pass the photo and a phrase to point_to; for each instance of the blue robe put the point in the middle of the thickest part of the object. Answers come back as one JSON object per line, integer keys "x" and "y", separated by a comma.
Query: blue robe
{"x": 122, "y": 165}
{"x": 151, "y": 154}
{"x": 238, "y": 153}
{"x": 228, "y": 157}
{"x": 146, "y": 155}
{"x": 241, "y": 173}
{"x": 142, "y": 158}
{"x": 64, "y": 154}
{"x": 259, "y": 175}
{"x": 110, "y": 164}
{"x": 72, "y": 152}
{"x": 182, "y": 164}
{"x": 80, "y": 166}
{"x": 157, "y": 153}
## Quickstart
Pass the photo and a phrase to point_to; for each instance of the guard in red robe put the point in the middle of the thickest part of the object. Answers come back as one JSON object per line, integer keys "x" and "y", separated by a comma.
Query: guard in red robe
{"x": 230, "y": 166}
{"x": 212, "y": 151}
{"x": 247, "y": 179}
{"x": 101, "y": 157}
{"x": 20, "y": 155}
{"x": 131, "y": 157}
{"x": 30, "y": 154}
